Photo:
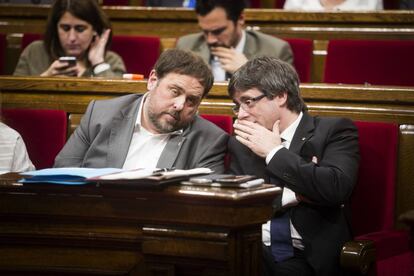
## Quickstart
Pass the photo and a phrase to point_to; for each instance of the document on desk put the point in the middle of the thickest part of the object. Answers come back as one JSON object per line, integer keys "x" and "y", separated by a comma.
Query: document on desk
{"x": 79, "y": 176}
{"x": 148, "y": 177}
{"x": 65, "y": 176}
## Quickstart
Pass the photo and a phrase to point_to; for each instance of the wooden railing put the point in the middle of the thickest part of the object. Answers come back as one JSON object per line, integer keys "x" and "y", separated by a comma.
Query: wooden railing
{"x": 366, "y": 103}
{"x": 169, "y": 24}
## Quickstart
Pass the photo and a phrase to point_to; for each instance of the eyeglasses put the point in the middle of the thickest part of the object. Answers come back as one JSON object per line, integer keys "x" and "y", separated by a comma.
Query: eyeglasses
{"x": 247, "y": 103}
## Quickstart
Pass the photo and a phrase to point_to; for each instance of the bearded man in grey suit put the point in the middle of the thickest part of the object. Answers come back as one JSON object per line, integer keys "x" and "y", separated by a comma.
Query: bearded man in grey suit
{"x": 223, "y": 41}
{"x": 160, "y": 129}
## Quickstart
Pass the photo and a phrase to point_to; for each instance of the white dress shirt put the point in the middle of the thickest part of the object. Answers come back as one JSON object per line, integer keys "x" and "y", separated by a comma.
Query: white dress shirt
{"x": 146, "y": 147}
{"x": 347, "y": 5}
{"x": 13, "y": 153}
{"x": 288, "y": 196}
{"x": 218, "y": 72}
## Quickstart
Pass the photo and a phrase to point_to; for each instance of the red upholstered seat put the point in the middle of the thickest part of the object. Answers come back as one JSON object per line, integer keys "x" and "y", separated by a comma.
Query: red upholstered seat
{"x": 380, "y": 62}
{"x": 2, "y": 52}
{"x": 225, "y": 122}
{"x": 115, "y": 2}
{"x": 29, "y": 38}
{"x": 138, "y": 52}
{"x": 373, "y": 200}
{"x": 43, "y": 131}
{"x": 302, "y": 53}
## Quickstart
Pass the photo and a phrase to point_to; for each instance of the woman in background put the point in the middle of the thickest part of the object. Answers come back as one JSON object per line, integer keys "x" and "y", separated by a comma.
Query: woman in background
{"x": 13, "y": 153}
{"x": 76, "y": 28}
{"x": 333, "y": 5}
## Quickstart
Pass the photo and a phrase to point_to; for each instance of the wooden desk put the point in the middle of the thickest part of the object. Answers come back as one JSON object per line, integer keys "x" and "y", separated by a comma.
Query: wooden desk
{"x": 170, "y": 23}
{"x": 358, "y": 102}
{"x": 85, "y": 230}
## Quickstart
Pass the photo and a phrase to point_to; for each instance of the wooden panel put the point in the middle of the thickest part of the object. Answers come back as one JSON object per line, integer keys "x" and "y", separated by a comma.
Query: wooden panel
{"x": 95, "y": 230}
{"x": 170, "y": 23}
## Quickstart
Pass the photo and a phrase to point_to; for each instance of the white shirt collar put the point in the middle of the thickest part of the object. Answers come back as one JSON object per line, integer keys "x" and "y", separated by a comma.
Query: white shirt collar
{"x": 240, "y": 46}
{"x": 288, "y": 133}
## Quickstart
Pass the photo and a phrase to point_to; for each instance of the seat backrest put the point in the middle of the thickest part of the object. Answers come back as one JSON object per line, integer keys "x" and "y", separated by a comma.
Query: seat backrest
{"x": 115, "y": 2}
{"x": 2, "y": 53}
{"x": 29, "y": 38}
{"x": 380, "y": 62}
{"x": 373, "y": 199}
{"x": 43, "y": 131}
{"x": 138, "y": 52}
{"x": 302, "y": 54}
{"x": 225, "y": 122}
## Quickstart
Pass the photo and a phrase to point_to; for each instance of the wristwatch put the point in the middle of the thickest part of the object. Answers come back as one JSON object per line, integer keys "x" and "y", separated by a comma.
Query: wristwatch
{"x": 100, "y": 67}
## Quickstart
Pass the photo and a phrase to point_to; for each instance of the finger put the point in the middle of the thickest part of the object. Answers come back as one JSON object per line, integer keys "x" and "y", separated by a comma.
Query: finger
{"x": 276, "y": 127}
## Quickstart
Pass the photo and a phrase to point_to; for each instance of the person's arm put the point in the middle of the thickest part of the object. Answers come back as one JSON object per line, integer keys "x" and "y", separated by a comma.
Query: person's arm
{"x": 331, "y": 179}
{"x": 116, "y": 66}
{"x": 214, "y": 155}
{"x": 21, "y": 161}
{"x": 73, "y": 153}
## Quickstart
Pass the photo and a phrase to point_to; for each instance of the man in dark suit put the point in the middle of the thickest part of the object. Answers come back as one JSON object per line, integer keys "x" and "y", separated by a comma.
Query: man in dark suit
{"x": 160, "y": 129}
{"x": 223, "y": 41}
{"x": 314, "y": 159}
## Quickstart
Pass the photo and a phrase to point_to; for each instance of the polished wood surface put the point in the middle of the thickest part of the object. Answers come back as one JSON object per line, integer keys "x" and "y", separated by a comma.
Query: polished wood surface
{"x": 113, "y": 230}
{"x": 359, "y": 102}
{"x": 408, "y": 218}
{"x": 170, "y": 23}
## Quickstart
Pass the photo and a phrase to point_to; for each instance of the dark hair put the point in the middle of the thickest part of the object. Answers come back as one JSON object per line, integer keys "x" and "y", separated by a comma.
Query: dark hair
{"x": 184, "y": 63}
{"x": 273, "y": 77}
{"x": 233, "y": 8}
{"x": 86, "y": 10}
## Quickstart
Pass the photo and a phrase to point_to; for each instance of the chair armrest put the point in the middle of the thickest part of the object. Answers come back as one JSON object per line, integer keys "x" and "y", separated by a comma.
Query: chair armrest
{"x": 358, "y": 256}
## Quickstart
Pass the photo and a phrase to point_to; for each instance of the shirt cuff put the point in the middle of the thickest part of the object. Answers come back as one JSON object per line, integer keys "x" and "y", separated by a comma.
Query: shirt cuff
{"x": 289, "y": 197}
{"x": 272, "y": 153}
{"x": 101, "y": 67}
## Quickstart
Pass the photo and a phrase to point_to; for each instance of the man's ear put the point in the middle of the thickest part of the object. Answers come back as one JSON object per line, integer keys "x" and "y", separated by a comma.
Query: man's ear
{"x": 281, "y": 100}
{"x": 241, "y": 19}
{"x": 152, "y": 80}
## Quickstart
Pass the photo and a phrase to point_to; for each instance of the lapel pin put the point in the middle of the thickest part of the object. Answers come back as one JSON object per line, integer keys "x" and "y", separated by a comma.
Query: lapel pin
{"x": 303, "y": 138}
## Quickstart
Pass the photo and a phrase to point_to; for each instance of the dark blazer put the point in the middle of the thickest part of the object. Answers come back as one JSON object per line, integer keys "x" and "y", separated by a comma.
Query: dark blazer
{"x": 257, "y": 44}
{"x": 328, "y": 184}
{"x": 103, "y": 137}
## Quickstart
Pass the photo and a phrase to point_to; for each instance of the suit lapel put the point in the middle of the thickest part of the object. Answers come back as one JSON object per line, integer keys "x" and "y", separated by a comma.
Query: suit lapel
{"x": 121, "y": 134}
{"x": 204, "y": 52}
{"x": 303, "y": 133}
{"x": 171, "y": 151}
{"x": 250, "y": 48}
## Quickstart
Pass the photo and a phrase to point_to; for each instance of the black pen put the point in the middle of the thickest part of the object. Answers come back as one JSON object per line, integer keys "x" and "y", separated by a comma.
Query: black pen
{"x": 163, "y": 170}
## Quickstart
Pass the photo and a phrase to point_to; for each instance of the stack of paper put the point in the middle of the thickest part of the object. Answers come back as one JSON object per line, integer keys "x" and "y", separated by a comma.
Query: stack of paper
{"x": 79, "y": 176}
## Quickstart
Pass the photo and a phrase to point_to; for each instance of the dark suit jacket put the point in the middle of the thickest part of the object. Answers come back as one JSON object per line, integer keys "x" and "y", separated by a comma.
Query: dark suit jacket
{"x": 257, "y": 44}
{"x": 105, "y": 132}
{"x": 322, "y": 223}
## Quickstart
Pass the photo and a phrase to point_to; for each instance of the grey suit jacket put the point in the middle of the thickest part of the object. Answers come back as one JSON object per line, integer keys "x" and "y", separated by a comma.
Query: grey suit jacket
{"x": 323, "y": 224}
{"x": 105, "y": 132}
{"x": 257, "y": 44}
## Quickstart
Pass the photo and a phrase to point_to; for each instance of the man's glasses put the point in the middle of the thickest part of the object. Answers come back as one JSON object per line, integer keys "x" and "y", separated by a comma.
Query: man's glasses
{"x": 247, "y": 103}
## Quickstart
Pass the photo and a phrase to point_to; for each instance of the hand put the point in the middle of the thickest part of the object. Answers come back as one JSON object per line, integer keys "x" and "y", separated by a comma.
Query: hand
{"x": 58, "y": 68}
{"x": 230, "y": 59}
{"x": 256, "y": 137}
{"x": 97, "y": 49}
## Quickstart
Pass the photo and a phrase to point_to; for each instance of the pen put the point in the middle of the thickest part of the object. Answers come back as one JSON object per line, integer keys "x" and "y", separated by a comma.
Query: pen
{"x": 163, "y": 170}
{"x": 252, "y": 183}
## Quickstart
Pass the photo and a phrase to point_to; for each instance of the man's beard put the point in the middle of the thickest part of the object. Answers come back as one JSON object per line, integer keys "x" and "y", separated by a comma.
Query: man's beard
{"x": 166, "y": 126}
